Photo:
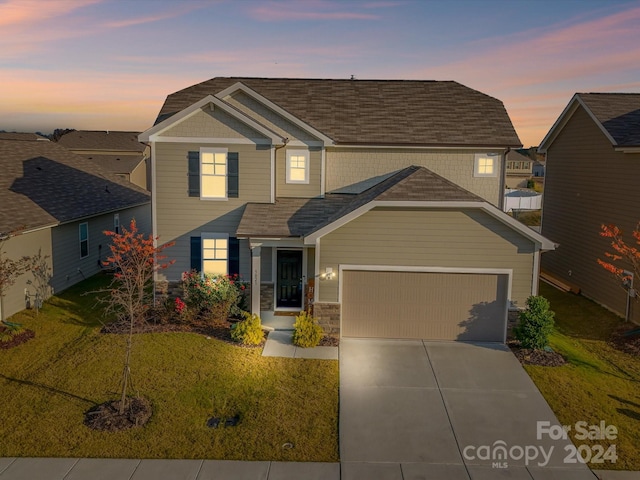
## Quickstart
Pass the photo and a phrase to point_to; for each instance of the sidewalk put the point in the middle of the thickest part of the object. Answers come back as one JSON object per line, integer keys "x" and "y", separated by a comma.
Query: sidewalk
{"x": 279, "y": 344}
{"x": 120, "y": 469}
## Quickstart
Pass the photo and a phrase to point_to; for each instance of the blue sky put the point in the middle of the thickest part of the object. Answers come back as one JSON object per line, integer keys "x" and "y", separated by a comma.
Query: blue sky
{"x": 109, "y": 64}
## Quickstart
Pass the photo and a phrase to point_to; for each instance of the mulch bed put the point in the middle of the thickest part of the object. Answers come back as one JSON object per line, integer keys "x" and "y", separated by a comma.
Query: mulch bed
{"x": 544, "y": 358}
{"x": 18, "y": 339}
{"x": 106, "y": 416}
{"x": 625, "y": 342}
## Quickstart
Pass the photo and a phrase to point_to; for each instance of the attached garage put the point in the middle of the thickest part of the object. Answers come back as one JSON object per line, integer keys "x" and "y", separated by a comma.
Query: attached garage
{"x": 466, "y": 306}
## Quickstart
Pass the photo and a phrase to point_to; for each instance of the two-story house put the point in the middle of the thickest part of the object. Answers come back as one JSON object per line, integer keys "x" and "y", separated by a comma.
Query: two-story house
{"x": 383, "y": 195}
{"x": 519, "y": 170}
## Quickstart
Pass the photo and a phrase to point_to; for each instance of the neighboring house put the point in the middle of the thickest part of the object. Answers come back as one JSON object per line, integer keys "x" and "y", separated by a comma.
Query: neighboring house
{"x": 117, "y": 152}
{"x": 538, "y": 168}
{"x": 593, "y": 167}
{"x": 27, "y": 137}
{"x": 59, "y": 204}
{"x": 380, "y": 198}
{"x": 518, "y": 170}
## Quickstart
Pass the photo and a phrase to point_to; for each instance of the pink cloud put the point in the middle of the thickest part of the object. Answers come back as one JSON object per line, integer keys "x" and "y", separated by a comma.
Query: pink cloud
{"x": 20, "y": 13}
{"x": 275, "y": 11}
{"x": 177, "y": 12}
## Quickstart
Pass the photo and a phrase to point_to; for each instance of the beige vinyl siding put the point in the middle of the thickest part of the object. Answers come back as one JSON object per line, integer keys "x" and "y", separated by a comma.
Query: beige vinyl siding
{"x": 433, "y": 238}
{"x": 16, "y": 247}
{"x": 268, "y": 117}
{"x": 588, "y": 184}
{"x": 212, "y": 124}
{"x": 68, "y": 267}
{"x": 180, "y": 217}
{"x": 139, "y": 175}
{"x": 312, "y": 189}
{"x": 346, "y": 166}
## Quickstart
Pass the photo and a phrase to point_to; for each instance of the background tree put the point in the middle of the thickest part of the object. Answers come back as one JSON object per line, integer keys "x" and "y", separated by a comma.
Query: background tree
{"x": 135, "y": 259}
{"x": 10, "y": 270}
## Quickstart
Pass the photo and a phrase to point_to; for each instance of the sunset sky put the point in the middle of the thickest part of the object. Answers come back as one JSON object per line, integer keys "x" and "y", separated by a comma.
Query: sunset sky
{"x": 109, "y": 64}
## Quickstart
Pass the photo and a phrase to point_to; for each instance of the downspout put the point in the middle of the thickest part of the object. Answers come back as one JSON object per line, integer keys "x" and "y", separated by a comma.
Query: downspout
{"x": 503, "y": 178}
{"x": 285, "y": 141}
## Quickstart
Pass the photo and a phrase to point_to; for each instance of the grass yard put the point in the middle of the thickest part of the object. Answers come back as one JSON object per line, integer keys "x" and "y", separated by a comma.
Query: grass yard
{"x": 48, "y": 383}
{"x": 599, "y": 383}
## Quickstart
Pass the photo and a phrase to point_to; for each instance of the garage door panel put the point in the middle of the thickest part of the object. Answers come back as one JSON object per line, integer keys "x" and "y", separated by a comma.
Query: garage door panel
{"x": 445, "y": 306}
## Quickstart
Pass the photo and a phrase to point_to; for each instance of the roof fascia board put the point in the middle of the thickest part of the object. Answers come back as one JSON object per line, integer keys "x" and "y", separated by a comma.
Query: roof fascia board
{"x": 7, "y": 235}
{"x": 239, "y": 86}
{"x": 479, "y": 148}
{"x": 539, "y": 240}
{"x": 157, "y": 130}
{"x": 628, "y": 149}
{"x": 239, "y": 141}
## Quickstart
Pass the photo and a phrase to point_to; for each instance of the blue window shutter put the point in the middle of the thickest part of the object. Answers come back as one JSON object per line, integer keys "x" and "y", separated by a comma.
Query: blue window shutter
{"x": 234, "y": 255}
{"x": 196, "y": 253}
{"x": 194, "y": 174}
{"x": 233, "y": 182}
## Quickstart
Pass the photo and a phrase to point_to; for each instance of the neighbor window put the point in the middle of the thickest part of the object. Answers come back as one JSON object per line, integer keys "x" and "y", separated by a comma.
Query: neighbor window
{"x": 116, "y": 222}
{"x": 84, "y": 240}
{"x": 215, "y": 254}
{"x": 486, "y": 165}
{"x": 297, "y": 166}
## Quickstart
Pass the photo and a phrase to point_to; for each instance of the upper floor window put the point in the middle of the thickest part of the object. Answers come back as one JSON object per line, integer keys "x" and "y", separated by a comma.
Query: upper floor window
{"x": 83, "y": 230}
{"x": 297, "y": 166}
{"x": 485, "y": 165}
{"x": 213, "y": 173}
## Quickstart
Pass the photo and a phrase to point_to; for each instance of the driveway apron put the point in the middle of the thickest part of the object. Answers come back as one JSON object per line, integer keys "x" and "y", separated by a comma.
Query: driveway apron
{"x": 412, "y": 409}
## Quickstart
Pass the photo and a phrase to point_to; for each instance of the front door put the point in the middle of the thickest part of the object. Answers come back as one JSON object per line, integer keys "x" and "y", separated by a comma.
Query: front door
{"x": 289, "y": 286}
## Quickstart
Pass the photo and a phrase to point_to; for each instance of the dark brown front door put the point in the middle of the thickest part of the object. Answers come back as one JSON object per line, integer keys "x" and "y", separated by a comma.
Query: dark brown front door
{"x": 289, "y": 285}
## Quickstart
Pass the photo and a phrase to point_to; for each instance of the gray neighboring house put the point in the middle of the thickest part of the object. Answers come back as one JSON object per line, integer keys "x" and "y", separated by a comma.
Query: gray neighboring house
{"x": 592, "y": 172}
{"x": 376, "y": 200}
{"x": 59, "y": 204}
{"x": 118, "y": 152}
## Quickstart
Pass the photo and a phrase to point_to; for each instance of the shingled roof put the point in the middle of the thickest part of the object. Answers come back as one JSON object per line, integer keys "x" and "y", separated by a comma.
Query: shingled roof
{"x": 298, "y": 217}
{"x": 43, "y": 183}
{"x": 22, "y": 136}
{"x": 618, "y": 113}
{"x": 375, "y": 112}
{"x": 102, "y": 140}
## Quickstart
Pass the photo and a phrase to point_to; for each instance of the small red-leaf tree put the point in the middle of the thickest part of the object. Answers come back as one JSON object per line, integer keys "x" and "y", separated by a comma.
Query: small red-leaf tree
{"x": 10, "y": 270}
{"x": 623, "y": 253}
{"x": 135, "y": 259}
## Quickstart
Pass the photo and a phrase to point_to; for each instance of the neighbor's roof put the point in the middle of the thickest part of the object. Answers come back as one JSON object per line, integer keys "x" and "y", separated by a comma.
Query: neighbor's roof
{"x": 382, "y": 112}
{"x": 115, "y": 163}
{"x": 297, "y": 217}
{"x": 45, "y": 184}
{"x": 29, "y": 137}
{"x": 616, "y": 114}
{"x": 102, "y": 140}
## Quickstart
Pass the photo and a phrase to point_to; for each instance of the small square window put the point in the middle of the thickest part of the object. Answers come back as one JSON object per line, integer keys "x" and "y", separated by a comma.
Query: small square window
{"x": 297, "y": 166}
{"x": 486, "y": 165}
{"x": 215, "y": 254}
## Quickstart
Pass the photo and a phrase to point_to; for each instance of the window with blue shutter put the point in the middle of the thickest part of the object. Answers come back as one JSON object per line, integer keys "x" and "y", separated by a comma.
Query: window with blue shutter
{"x": 196, "y": 253}
{"x": 234, "y": 256}
{"x": 194, "y": 174}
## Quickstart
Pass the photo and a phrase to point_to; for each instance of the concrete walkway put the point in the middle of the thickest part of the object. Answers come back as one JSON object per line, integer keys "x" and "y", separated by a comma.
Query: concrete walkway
{"x": 279, "y": 344}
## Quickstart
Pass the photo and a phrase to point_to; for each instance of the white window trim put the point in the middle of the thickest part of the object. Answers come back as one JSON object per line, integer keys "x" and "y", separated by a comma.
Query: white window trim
{"x": 476, "y": 163}
{"x": 215, "y": 150}
{"x": 208, "y": 236}
{"x": 80, "y": 238}
{"x": 305, "y": 154}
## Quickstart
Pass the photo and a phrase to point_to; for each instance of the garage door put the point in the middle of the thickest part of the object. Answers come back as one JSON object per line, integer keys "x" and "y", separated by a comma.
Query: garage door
{"x": 436, "y": 306}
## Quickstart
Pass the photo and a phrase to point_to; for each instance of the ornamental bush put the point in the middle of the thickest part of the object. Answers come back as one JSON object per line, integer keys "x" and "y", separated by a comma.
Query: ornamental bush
{"x": 215, "y": 297}
{"x": 306, "y": 331}
{"x": 248, "y": 331}
{"x": 536, "y": 323}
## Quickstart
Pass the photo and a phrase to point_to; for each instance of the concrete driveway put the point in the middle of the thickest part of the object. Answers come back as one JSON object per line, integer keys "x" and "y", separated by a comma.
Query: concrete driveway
{"x": 444, "y": 410}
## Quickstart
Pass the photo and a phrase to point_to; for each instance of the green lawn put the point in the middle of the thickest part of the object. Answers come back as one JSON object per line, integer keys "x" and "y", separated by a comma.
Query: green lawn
{"x": 48, "y": 383}
{"x": 599, "y": 383}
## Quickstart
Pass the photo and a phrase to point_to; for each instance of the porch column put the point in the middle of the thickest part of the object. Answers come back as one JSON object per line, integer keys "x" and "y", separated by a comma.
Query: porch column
{"x": 255, "y": 279}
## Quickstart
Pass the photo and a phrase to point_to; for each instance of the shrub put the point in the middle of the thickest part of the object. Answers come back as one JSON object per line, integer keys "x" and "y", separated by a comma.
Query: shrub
{"x": 306, "y": 331}
{"x": 248, "y": 331}
{"x": 9, "y": 330}
{"x": 215, "y": 296}
{"x": 536, "y": 323}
